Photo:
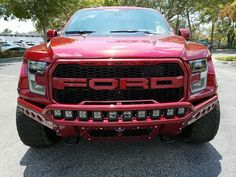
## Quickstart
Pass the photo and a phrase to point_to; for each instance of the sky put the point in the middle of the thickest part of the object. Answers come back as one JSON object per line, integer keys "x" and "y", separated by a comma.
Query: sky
{"x": 16, "y": 25}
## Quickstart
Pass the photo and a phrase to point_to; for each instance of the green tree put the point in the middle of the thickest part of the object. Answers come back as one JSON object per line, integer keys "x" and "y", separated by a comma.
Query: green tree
{"x": 40, "y": 11}
{"x": 6, "y": 31}
{"x": 228, "y": 16}
{"x": 209, "y": 11}
{"x": 3, "y": 10}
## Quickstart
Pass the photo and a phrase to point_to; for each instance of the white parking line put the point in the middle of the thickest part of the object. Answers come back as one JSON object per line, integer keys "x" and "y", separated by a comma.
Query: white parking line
{"x": 7, "y": 76}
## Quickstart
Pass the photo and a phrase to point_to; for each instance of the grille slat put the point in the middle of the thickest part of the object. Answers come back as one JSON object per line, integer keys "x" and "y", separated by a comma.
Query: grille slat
{"x": 76, "y": 95}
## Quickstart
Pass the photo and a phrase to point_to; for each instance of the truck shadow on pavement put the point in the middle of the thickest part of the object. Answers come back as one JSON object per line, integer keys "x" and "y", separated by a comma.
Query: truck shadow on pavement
{"x": 123, "y": 159}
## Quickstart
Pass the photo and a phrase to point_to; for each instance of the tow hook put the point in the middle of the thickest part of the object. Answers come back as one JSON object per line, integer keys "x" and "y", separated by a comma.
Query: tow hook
{"x": 167, "y": 139}
{"x": 72, "y": 140}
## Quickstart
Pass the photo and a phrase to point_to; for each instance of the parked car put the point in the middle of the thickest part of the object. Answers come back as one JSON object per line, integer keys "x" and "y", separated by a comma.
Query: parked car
{"x": 9, "y": 47}
{"x": 117, "y": 73}
{"x": 30, "y": 44}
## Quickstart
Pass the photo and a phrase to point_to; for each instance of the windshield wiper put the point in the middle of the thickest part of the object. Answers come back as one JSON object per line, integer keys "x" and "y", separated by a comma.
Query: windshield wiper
{"x": 80, "y": 32}
{"x": 133, "y": 31}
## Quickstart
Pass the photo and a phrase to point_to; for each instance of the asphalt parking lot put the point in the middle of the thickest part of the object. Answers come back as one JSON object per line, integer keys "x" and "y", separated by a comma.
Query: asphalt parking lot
{"x": 217, "y": 158}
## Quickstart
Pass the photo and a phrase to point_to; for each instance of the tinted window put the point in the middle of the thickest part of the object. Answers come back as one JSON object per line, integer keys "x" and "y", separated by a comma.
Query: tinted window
{"x": 106, "y": 20}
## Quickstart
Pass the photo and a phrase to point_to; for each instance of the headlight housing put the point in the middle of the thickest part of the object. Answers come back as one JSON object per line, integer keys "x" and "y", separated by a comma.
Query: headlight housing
{"x": 199, "y": 66}
{"x": 35, "y": 68}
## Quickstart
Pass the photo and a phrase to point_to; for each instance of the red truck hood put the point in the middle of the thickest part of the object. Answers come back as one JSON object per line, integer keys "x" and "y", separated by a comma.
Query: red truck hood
{"x": 123, "y": 47}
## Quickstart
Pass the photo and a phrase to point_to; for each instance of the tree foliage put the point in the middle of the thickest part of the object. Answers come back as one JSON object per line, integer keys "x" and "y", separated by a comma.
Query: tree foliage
{"x": 6, "y": 31}
{"x": 3, "y": 10}
{"x": 228, "y": 17}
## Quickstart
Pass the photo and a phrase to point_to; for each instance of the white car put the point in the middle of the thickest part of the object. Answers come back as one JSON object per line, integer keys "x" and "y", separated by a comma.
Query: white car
{"x": 8, "y": 47}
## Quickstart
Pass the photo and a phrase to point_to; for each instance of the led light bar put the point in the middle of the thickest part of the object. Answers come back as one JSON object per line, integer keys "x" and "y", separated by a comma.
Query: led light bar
{"x": 114, "y": 115}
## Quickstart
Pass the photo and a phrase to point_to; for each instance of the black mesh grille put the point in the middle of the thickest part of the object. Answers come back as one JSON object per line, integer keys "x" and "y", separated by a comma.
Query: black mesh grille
{"x": 76, "y": 95}
{"x": 77, "y": 71}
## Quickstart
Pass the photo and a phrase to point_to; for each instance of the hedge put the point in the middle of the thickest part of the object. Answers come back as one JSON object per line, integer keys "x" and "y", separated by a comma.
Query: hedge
{"x": 10, "y": 54}
{"x": 228, "y": 58}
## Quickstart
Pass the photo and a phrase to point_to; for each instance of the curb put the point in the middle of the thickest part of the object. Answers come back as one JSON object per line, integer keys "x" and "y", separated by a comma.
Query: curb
{"x": 4, "y": 60}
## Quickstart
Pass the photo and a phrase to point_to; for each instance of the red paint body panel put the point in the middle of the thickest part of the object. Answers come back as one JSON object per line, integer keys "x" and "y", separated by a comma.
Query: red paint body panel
{"x": 117, "y": 47}
{"x": 116, "y": 51}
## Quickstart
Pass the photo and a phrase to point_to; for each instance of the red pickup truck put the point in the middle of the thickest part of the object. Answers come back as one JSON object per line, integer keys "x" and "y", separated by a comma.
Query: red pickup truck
{"x": 117, "y": 73}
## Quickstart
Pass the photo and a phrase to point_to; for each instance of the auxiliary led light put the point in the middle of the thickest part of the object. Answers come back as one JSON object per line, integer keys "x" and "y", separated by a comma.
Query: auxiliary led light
{"x": 127, "y": 115}
{"x": 97, "y": 116}
{"x": 142, "y": 115}
{"x": 69, "y": 115}
{"x": 170, "y": 112}
{"x": 156, "y": 114}
{"x": 112, "y": 116}
{"x": 83, "y": 115}
{"x": 57, "y": 113}
{"x": 181, "y": 112}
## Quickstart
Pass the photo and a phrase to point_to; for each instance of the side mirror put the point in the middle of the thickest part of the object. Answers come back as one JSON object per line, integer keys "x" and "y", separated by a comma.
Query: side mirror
{"x": 51, "y": 34}
{"x": 185, "y": 33}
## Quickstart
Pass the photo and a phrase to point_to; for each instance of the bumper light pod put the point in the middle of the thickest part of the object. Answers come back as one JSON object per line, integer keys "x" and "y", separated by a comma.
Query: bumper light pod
{"x": 156, "y": 114}
{"x": 170, "y": 113}
{"x": 57, "y": 114}
{"x": 97, "y": 116}
{"x": 83, "y": 115}
{"x": 127, "y": 115}
{"x": 69, "y": 115}
{"x": 181, "y": 112}
{"x": 141, "y": 115}
{"x": 112, "y": 116}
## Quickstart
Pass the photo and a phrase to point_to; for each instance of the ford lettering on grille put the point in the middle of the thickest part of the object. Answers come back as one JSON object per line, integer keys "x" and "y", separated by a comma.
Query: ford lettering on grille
{"x": 123, "y": 83}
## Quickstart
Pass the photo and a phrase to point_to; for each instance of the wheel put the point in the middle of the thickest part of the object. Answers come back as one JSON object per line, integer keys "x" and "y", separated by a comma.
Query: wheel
{"x": 32, "y": 133}
{"x": 204, "y": 129}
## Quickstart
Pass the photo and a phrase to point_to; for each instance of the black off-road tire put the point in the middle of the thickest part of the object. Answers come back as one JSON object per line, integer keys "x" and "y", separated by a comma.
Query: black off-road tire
{"x": 33, "y": 133}
{"x": 204, "y": 129}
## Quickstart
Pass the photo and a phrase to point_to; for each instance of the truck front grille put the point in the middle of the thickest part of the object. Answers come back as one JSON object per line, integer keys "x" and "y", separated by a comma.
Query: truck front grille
{"x": 73, "y": 95}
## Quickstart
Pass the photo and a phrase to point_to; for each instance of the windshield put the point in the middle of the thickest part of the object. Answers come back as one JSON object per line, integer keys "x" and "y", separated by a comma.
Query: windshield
{"x": 117, "y": 21}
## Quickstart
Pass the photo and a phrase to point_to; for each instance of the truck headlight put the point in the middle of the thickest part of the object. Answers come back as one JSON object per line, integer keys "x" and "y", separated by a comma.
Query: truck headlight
{"x": 199, "y": 66}
{"x": 35, "y": 68}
